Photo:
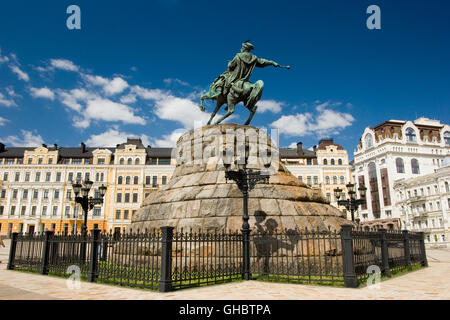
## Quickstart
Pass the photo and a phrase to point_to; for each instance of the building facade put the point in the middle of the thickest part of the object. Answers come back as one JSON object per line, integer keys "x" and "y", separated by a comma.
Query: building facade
{"x": 36, "y": 185}
{"x": 326, "y": 167}
{"x": 391, "y": 151}
{"x": 424, "y": 205}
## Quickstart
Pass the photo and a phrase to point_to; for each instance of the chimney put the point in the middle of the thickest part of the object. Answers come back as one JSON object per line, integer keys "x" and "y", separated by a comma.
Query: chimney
{"x": 83, "y": 147}
{"x": 300, "y": 148}
{"x": 2, "y": 147}
{"x": 44, "y": 145}
{"x": 314, "y": 148}
{"x": 56, "y": 146}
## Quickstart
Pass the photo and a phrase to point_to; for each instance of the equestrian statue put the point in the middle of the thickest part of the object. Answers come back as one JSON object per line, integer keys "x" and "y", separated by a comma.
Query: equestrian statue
{"x": 233, "y": 86}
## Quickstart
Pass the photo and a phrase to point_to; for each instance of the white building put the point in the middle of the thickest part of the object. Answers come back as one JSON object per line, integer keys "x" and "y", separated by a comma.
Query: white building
{"x": 424, "y": 203}
{"x": 391, "y": 151}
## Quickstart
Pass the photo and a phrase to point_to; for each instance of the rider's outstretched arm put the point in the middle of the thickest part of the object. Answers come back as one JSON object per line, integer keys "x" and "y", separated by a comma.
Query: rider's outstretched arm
{"x": 265, "y": 63}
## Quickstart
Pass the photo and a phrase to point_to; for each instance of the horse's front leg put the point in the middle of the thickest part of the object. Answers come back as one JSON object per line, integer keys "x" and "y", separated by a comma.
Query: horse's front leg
{"x": 219, "y": 103}
{"x": 229, "y": 113}
{"x": 252, "y": 113}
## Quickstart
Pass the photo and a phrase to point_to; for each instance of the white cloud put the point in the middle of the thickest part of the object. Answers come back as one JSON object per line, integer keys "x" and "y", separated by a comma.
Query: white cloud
{"x": 73, "y": 98}
{"x": 3, "y": 121}
{"x": 5, "y": 101}
{"x": 170, "y": 81}
{"x": 326, "y": 121}
{"x": 149, "y": 94}
{"x": 110, "y": 87}
{"x": 179, "y": 109}
{"x": 20, "y": 74}
{"x": 3, "y": 58}
{"x": 293, "y": 145}
{"x": 28, "y": 140}
{"x": 64, "y": 64}
{"x": 269, "y": 105}
{"x": 107, "y": 110}
{"x": 112, "y": 137}
{"x": 130, "y": 98}
{"x": 42, "y": 93}
{"x": 169, "y": 140}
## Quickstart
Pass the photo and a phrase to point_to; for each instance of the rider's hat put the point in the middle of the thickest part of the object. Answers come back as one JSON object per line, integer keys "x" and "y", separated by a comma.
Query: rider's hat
{"x": 247, "y": 45}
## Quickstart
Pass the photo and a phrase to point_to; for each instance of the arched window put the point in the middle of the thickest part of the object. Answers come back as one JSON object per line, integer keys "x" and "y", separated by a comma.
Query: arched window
{"x": 325, "y": 162}
{"x": 373, "y": 181}
{"x": 400, "y": 165}
{"x": 137, "y": 161}
{"x": 122, "y": 161}
{"x": 332, "y": 162}
{"x": 130, "y": 161}
{"x": 368, "y": 140}
{"x": 327, "y": 180}
{"x": 136, "y": 180}
{"x": 342, "y": 180}
{"x": 410, "y": 135}
{"x": 446, "y": 187}
{"x": 340, "y": 162}
{"x": 415, "y": 166}
{"x": 447, "y": 138}
{"x": 127, "y": 180}
{"x": 120, "y": 180}
{"x": 335, "y": 180}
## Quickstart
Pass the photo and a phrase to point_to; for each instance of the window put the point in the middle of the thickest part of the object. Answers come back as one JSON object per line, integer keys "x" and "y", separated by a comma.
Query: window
{"x": 137, "y": 161}
{"x": 415, "y": 166}
{"x": 135, "y": 197}
{"x": 14, "y": 195}
{"x": 329, "y": 197}
{"x": 147, "y": 180}
{"x": 154, "y": 161}
{"x": 164, "y": 180}
{"x": 25, "y": 194}
{"x": 127, "y": 180}
{"x": 96, "y": 212}
{"x": 3, "y": 194}
{"x": 70, "y": 177}
{"x": 120, "y": 180}
{"x": 125, "y": 214}
{"x": 316, "y": 180}
{"x": 146, "y": 195}
{"x": 340, "y": 162}
{"x": 342, "y": 180}
{"x": 69, "y": 194}
{"x": 309, "y": 161}
{"x": 27, "y": 176}
{"x": 35, "y": 194}
{"x": 50, "y": 160}
{"x": 38, "y": 177}
{"x": 127, "y": 197}
{"x": 308, "y": 180}
{"x": 87, "y": 161}
{"x": 22, "y": 212}
{"x": 56, "y": 194}
{"x": 44, "y": 210}
{"x": 2, "y": 208}
{"x": 58, "y": 176}
{"x": 77, "y": 161}
{"x": 55, "y": 210}
{"x": 119, "y": 197}
{"x": 136, "y": 180}
{"x": 373, "y": 182}
{"x": 155, "y": 181}
{"x": 46, "y": 194}
{"x": 17, "y": 178}
{"x": 87, "y": 175}
{"x": 75, "y": 211}
{"x": 400, "y": 165}
{"x": 163, "y": 162}
{"x": 325, "y": 162}
{"x": 67, "y": 161}
{"x": 30, "y": 160}
{"x": 79, "y": 176}
{"x": 67, "y": 212}
{"x": 447, "y": 138}
{"x": 5, "y": 176}
{"x": 33, "y": 210}
{"x": 40, "y": 161}
{"x": 48, "y": 175}
{"x": 102, "y": 176}
{"x": 410, "y": 135}
{"x": 97, "y": 194}
{"x": 335, "y": 180}
{"x": 446, "y": 186}
{"x": 118, "y": 214}
{"x": 368, "y": 141}
{"x": 327, "y": 180}
{"x": 122, "y": 161}
{"x": 129, "y": 161}
{"x": 13, "y": 210}
{"x": 332, "y": 162}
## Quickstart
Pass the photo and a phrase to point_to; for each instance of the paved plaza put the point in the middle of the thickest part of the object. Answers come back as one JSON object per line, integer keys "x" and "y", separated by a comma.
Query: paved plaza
{"x": 429, "y": 283}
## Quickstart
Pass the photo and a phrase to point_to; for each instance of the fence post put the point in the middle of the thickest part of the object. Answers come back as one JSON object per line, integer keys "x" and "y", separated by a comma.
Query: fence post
{"x": 93, "y": 263}
{"x": 348, "y": 262}
{"x": 46, "y": 252}
{"x": 422, "y": 249}
{"x": 407, "y": 249}
{"x": 384, "y": 253}
{"x": 165, "y": 283}
{"x": 12, "y": 251}
{"x": 104, "y": 250}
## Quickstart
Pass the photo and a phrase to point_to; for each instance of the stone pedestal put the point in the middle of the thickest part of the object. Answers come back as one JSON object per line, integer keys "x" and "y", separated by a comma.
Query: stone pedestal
{"x": 199, "y": 198}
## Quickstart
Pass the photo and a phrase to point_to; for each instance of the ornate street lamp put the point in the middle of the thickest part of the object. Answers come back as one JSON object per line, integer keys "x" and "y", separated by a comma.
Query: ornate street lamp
{"x": 246, "y": 180}
{"x": 352, "y": 203}
{"x": 87, "y": 203}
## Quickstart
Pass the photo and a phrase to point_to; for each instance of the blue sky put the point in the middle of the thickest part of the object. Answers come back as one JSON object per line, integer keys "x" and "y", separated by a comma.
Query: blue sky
{"x": 137, "y": 68}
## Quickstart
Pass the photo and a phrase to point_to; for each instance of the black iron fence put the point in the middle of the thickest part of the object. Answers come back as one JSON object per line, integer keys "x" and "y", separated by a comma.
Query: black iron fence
{"x": 168, "y": 260}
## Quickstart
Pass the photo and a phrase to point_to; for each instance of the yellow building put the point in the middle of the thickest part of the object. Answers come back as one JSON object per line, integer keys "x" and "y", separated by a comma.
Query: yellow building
{"x": 36, "y": 184}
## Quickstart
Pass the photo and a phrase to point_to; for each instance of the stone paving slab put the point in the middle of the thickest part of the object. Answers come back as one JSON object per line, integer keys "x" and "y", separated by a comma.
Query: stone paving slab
{"x": 429, "y": 283}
